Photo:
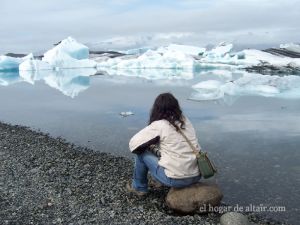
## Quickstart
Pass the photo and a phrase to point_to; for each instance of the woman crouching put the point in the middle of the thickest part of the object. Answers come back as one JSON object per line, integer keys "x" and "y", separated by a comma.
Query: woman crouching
{"x": 175, "y": 165}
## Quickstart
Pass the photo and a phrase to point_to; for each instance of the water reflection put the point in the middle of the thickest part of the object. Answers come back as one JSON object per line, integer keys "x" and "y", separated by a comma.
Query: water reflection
{"x": 223, "y": 86}
{"x": 153, "y": 74}
{"x": 70, "y": 82}
{"x": 9, "y": 78}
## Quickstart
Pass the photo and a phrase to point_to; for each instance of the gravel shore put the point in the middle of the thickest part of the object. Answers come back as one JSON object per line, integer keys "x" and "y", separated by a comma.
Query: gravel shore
{"x": 45, "y": 180}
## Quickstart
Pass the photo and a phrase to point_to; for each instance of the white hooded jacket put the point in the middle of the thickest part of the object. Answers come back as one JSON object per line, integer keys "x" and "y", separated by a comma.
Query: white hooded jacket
{"x": 177, "y": 157}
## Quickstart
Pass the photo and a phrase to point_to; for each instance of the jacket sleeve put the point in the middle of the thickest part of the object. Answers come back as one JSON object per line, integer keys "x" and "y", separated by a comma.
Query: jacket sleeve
{"x": 145, "y": 137}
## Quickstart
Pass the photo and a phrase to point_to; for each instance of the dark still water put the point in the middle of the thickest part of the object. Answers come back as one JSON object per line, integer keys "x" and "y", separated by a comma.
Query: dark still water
{"x": 255, "y": 141}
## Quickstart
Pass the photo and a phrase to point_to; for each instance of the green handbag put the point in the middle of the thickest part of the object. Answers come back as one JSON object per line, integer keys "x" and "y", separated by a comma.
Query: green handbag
{"x": 205, "y": 165}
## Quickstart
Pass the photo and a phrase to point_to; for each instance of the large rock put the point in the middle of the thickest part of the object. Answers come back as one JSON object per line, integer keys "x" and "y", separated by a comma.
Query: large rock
{"x": 235, "y": 218}
{"x": 195, "y": 198}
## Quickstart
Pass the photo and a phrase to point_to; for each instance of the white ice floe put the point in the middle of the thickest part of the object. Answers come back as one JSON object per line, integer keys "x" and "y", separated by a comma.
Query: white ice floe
{"x": 64, "y": 61}
{"x": 223, "y": 54}
{"x": 12, "y": 63}
{"x": 249, "y": 84}
{"x": 34, "y": 64}
{"x": 162, "y": 58}
{"x": 186, "y": 49}
{"x": 125, "y": 114}
{"x": 220, "y": 51}
{"x": 184, "y": 56}
{"x": 257, "y": 57}
{"x": 209, "y": 90}
{"x": 291, "y": 47}
{"x": 136, "y": 51}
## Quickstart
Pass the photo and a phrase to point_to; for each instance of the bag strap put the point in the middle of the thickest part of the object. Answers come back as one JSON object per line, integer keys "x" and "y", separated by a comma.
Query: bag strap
{"x": 195, "y": 151}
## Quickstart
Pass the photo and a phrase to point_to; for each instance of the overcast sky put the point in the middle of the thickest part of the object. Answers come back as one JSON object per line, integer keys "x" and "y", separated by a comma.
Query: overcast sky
{"x": 32, "y": 25}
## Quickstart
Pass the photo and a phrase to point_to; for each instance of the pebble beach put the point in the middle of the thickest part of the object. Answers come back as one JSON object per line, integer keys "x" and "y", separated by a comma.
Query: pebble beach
{"x": 47, "y": 180}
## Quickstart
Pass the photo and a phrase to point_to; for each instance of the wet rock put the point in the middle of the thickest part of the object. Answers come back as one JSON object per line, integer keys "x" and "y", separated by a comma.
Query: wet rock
{"x": 233, "y": 218}
{"x": 194, "y": 198}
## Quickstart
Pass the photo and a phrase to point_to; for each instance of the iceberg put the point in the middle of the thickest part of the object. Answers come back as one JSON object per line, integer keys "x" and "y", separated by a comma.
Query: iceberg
{"x": 162, "y": 58}
{"x": 186, "y": 49}
{"x": 35, "y": 65}
{"x": 70, "y": 47}
{"x": 12, "y": 63}
{"x": 136, "y": 51}
{"x": 257, "y": 57}
{"x": 247, "y": 58}
{"x": 209, "y": 90}
{"x": 69, "y": 54}
{"x": 249, "y": 84}
{"x": 64, "y": 61}
{"x": 221, "y": 50}
{"x": 176, "y": 56}
{"x": 291, "y": 47}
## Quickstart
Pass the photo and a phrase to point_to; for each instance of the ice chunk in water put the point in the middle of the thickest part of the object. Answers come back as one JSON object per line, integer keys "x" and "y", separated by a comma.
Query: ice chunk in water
{"x": 219, "y": 51}
{"x": 162, "y": 58}
{"x": 125, "y": 114}
{"x": 34, "y": 64}
{"x": 136, "y": 51}
{"x": 291, "y": 47}
{"x": 12, "y": 63}
{"x": 249, "y": 84}
{"x": 64, "y": 61}
{"x": 186, "y": 49}
{"x": 256, "y": 57}
{"x": 208, "y": 90}
{"x": 69, "y": 54}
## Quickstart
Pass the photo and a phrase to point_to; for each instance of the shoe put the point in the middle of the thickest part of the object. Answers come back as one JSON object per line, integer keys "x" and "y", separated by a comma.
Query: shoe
{"x": 155, "y": 184}
{"x": 131, "y": 189}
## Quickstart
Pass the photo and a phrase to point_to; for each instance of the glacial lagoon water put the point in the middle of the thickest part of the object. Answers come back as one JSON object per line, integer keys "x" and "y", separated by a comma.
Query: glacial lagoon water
{"x": 254, "y": 141}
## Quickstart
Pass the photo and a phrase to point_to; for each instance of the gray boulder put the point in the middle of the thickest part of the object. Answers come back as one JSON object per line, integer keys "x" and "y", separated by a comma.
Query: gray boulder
{"x": 195, "y": 198}
{"x": 234, "y": 218}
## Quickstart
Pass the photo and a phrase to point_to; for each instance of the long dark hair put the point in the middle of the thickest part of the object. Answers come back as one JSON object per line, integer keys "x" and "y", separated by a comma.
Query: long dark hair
{"x": 166, "y": 107}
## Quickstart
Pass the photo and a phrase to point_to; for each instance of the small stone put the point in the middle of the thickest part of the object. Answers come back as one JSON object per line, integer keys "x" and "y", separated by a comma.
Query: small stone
{"x": 34, "y": 170}
{"x": 49, "y": 204}
{"x": 69, "y": 191}
{"x": 235, "y": 218}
